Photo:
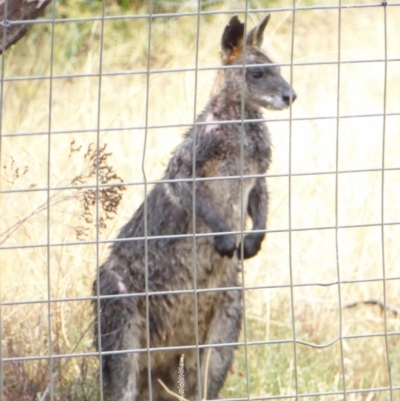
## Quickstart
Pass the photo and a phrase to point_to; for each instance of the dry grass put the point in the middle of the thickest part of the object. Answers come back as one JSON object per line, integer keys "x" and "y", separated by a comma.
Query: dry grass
{"x": 25, "y": 272}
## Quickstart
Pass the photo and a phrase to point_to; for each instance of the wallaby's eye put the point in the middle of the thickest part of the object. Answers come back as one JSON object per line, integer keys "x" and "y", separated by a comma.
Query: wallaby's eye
{"x": 256, "y": 74}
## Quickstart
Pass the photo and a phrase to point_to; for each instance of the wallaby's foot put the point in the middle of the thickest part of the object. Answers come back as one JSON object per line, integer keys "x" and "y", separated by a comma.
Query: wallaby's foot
{"x": 225, "y": 245}
{"x": 251, "y": 245}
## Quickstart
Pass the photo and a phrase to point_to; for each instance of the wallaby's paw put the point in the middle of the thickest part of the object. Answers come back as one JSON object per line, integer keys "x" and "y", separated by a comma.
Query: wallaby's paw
{"x": 251, "y": 245}
{"x": 225, "y": 245}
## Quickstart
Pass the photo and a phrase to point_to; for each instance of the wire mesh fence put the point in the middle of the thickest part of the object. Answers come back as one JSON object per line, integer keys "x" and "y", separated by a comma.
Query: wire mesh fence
{"x": 95, "y": 97}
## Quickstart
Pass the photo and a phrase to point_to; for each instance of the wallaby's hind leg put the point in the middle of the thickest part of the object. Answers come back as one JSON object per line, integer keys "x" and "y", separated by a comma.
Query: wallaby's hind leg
{"x": 123, "y": 369}
{"x": 120, "y": 325}
{"x": 224, "y": 328}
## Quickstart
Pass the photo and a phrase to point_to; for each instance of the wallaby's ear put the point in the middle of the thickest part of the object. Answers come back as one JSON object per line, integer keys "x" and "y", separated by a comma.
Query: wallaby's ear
{"x": 255, "y": 36}
{"x": 232, "y": 40}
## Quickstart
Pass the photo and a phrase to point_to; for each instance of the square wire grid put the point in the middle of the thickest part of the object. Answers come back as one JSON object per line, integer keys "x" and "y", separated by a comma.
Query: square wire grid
{"x": 52, "y": 135}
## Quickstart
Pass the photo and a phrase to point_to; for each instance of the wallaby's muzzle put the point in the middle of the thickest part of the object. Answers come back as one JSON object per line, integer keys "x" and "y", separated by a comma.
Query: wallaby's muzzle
{"x": 289, "y": 96}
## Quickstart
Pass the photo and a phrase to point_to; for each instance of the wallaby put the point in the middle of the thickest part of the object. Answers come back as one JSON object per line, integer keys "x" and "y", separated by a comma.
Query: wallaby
{"x": 217, "y": 148}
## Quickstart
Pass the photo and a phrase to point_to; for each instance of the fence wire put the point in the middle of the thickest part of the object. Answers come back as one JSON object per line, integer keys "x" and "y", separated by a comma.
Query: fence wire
{"x": 52, "y": 224}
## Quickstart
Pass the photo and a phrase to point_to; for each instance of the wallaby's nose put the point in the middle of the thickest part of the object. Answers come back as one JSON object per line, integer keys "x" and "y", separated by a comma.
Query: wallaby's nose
{"x": 289, "y": 97}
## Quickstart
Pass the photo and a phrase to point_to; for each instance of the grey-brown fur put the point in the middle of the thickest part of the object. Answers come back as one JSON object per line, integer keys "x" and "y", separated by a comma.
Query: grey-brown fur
{"x": 218, "y": 208}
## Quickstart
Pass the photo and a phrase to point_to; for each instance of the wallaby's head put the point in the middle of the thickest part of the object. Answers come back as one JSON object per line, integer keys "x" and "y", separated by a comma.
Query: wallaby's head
{"x": 264, "y": 85}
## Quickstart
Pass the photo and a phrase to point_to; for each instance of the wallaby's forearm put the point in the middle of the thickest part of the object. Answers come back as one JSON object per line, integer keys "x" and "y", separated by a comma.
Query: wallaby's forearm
{"x": 225, "y": 245}
{"x": 258, "y": 204}
{"x": 257, "y": 209}
{"x": 206, "y": 210}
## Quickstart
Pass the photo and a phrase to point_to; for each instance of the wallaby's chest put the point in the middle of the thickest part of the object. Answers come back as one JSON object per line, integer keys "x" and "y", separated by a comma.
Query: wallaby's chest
{"x": 244, "y": 153}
